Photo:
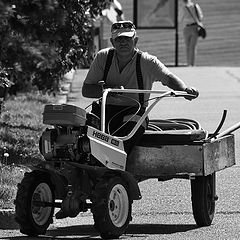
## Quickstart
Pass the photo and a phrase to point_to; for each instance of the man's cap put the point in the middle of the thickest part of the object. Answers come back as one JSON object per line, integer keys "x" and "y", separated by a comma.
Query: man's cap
{"x": 123, "y": 29}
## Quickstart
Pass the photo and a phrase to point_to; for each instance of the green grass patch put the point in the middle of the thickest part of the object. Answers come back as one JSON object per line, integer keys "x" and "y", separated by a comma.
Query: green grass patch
{"x": 10, "y": 176}
{"x": 20, "y": 129}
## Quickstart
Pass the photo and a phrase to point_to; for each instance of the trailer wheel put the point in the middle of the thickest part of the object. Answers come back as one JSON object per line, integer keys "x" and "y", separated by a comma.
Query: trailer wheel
{"x": 203, "y": 199}
{"x": 111, "y": 208}
{"x": 32, "y": 217}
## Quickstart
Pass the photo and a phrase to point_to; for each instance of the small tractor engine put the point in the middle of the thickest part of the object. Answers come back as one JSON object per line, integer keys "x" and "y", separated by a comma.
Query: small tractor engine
{"x": 67, "y": 139}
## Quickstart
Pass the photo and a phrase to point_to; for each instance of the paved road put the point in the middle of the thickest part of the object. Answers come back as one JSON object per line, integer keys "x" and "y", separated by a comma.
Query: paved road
{"x": 165, "y": 210}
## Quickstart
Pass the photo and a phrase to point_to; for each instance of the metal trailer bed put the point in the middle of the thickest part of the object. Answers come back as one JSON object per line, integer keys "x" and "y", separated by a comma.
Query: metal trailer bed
{"x": 151, "y": 159}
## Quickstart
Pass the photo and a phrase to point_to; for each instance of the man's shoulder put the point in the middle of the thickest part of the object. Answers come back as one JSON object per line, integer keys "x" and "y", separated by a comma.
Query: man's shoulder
{"x": 104, "y": 51}
{"x": 101, "y": 56}
{"x": 152, "y": 63}
{"x": 147, "y": 57}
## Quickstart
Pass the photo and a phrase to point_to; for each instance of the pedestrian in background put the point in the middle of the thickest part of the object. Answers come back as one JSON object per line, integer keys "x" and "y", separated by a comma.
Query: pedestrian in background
{"x": 190, "y": 15}
{"x": 113, "y": 13}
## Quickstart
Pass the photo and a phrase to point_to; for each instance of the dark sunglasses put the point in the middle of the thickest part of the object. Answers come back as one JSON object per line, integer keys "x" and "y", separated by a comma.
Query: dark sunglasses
{"x": 127, "y": 25}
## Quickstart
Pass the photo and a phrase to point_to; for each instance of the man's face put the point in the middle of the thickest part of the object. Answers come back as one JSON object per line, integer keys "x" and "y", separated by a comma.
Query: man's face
{"x": 124, "y": 45}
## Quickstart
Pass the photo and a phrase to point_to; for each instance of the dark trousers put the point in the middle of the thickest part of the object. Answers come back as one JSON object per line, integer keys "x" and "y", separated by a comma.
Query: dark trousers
{"x": 117, "y": 125}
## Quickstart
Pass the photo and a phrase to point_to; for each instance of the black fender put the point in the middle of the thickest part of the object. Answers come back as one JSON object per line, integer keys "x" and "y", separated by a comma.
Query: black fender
{"x": 59, "y": 181}
{"x": 134, "y": 190}
{"x": 99, "y": 172}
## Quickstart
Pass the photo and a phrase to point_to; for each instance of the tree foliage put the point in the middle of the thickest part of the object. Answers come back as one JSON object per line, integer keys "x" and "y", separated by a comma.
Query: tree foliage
{"x": 40, "y": 40}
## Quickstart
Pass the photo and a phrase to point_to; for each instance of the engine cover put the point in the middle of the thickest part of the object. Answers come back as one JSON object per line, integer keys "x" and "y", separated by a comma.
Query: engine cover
{"x": 64, "y": 115}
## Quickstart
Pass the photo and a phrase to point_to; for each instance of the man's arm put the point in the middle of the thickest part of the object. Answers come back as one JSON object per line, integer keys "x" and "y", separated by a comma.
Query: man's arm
{"x": 157, "y": 71}
{"x": 177, "y": 84}
{"x": 91, "y": 90}
{"x": 95, "y": 90}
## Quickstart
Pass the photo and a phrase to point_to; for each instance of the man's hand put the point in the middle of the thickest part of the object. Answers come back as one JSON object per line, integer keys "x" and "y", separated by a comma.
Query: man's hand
{"x": 116, "y": 93}
{"x": 192, "y": 91}
{"x": 105, "y": 86}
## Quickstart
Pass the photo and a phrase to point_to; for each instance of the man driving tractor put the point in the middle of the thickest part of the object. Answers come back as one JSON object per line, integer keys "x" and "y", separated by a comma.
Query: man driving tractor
{"x": 126, "y": 66}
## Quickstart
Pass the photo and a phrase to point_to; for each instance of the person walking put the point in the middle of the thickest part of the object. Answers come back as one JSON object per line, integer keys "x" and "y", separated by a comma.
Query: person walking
{"x": 130, "y": 68}
{"x": 190, "y": 15}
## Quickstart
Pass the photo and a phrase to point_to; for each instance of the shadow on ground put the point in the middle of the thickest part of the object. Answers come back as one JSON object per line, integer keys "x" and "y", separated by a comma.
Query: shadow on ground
{"x": 134, "y": 230}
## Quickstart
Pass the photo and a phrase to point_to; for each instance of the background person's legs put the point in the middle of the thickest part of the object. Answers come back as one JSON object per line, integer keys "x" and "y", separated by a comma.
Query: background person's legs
{"x": 187, "y": 35}
{"x": 190, "y": 39}
{"x": 192, "y": 48}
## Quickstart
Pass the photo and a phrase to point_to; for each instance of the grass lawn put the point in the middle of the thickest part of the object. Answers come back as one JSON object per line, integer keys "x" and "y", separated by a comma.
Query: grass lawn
{"x": 20, "y": 129}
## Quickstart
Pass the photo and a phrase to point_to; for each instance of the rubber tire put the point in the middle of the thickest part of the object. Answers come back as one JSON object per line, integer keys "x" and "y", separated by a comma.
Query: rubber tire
{"x": 34, "y": 184}
{"x": 104, "y": 205}
{"x": 203, "y": 203}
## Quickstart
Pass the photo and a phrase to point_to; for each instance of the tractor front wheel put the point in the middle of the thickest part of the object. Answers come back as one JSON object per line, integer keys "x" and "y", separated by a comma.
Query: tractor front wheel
{"x": 111, "y": 207}
{"x": 34, "y": 204}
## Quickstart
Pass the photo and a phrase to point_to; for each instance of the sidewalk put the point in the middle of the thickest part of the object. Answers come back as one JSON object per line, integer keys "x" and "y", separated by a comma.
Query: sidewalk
{"x": 203, "y": 78}
{"x": 75, "y": 95}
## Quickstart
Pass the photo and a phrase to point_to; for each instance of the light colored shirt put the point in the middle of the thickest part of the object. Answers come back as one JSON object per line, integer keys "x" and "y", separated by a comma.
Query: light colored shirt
{"x": 151, "y": 67}
{"x": 186, "y": 18}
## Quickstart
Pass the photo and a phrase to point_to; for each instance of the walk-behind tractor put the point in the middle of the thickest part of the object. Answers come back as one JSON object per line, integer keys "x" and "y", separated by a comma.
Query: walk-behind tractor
{"x": 87, "y": 168}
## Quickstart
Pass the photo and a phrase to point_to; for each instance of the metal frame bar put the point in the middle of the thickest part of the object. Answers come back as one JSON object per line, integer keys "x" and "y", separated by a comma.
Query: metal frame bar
{"x": 163, "y": 94}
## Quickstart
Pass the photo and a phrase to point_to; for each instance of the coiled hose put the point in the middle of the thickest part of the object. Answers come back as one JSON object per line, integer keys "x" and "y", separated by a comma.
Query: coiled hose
{"x": 173, "y": 124}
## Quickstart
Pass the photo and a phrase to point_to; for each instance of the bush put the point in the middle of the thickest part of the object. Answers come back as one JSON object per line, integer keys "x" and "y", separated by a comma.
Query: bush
{"x": 42, "y": 40}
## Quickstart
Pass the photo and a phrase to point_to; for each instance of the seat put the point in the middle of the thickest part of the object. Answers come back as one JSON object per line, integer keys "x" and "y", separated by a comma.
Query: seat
{"x": 172, "y": 137}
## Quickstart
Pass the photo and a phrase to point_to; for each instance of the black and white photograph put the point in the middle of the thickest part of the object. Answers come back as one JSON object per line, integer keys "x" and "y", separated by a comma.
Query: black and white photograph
{"x": 119, "y": 119}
